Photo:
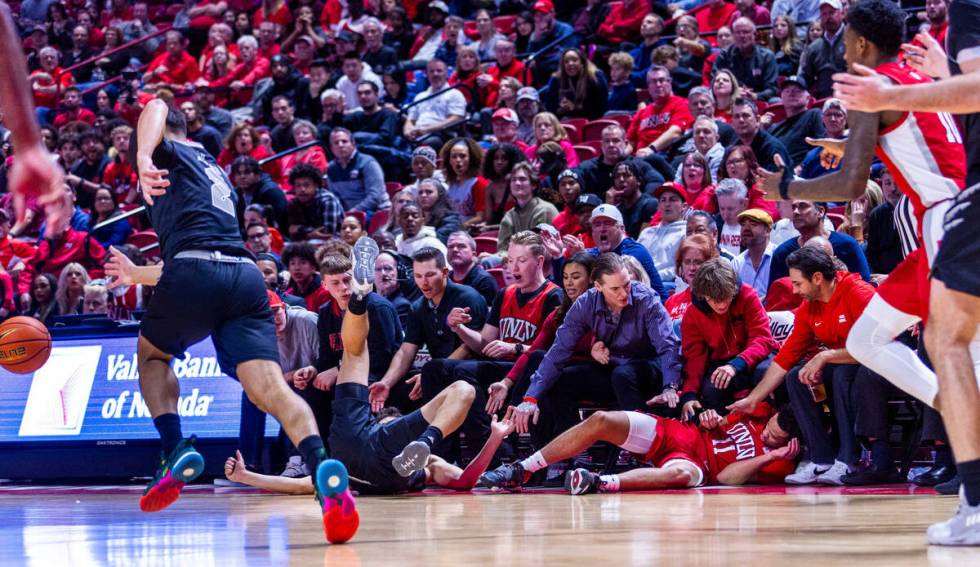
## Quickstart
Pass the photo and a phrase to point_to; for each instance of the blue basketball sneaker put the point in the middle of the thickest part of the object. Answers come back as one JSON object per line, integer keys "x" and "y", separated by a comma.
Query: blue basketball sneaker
{"x": 183, "y": 465}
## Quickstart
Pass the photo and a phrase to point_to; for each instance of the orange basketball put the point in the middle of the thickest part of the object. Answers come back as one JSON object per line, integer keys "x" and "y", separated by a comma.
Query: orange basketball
{"x": 25, "y": 344}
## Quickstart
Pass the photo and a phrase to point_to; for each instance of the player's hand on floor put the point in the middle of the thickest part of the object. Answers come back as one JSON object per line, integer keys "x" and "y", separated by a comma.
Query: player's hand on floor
{"x": 416, "y": 382}
{"x": 789, "y": 452}
{"x": 378, "y": 395}
{"x": 496, "y": 396}
{"x": 119, "y": 268}
{"x": 235, "y": 467}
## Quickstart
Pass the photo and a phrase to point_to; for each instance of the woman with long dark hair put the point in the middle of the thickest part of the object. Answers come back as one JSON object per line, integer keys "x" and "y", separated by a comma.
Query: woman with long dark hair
{"x": 461, "y": 160}
{"x": 786, "y": 45}
{"x": 43, "y": 305}
{"x": 433, "y": 199}
{"x": 578, "y": 89}
{"x": 103, "y": 208}
{"x": 498, "y": 162}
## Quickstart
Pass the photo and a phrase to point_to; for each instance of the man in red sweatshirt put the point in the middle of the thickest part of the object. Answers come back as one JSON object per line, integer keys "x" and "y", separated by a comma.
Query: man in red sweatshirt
{"x": 53, "y": 254}
{"x": 725, "y": 339}
{"x": 623, "y": 22}
{"x": 832, "y": 302}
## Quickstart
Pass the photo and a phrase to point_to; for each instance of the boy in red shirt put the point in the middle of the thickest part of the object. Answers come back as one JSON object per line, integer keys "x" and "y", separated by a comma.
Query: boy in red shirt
{"x": 725, "y": 339}
{"x": 832, "y": 302}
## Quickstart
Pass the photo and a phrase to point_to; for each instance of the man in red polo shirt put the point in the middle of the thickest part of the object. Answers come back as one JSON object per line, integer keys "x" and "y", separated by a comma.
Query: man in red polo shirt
{"x": 662, "y": 121}
{"x": 832, "y": 302}
{"x": 175, "y": 67}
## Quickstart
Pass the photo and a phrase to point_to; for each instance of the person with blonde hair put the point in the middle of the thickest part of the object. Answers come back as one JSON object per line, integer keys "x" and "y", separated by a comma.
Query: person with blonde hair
{"x": 71, "y": 289}
{"x": 857, "y": 212}
{"x": 547, "y": 128}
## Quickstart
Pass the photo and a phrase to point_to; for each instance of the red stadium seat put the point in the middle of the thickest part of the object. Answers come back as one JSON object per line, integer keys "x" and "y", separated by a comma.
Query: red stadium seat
{"x": 836, "y": 219}
{"x": 593, "y": 130}
{"x": 778, "y": 112}
{"x": 505, "y": 24}
{"x": 623, "y": 119}
{"x": 585, "y": 152}
{"x": 379, "y": 220}
{"x": 818, "y": 103}
{"x": 498, "y": 274}
{"x": 146, "y": 239}
{"x": 486, "y": 244}
{"x": 578, "y": 123}
{"x": 359, "y": 215}
{"x": 594, "y": 144}
{"x": 393, "y": 187}
{"x": 490, "y": 233}
{"x": 573, "y": 133}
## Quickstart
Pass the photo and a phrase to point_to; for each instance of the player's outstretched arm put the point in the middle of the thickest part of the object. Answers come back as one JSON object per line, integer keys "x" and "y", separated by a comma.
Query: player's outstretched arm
{"x": 149, "y": 134}
{"x": 123, "y": 271}
{"x": 235, "y": 471}
{"x": 34, "y": 172}
{"x": 499, "y": 430}
{"x": 956, "y": 95}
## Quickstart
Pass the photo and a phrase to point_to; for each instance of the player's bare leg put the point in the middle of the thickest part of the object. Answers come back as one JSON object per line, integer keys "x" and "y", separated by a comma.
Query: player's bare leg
{"x": 950, "y": 336}
{"x": 675, "y": 474}
{"x": 444, "y": 414}
{"x": 610, "y": 426}
{"x": 179, "y": 462}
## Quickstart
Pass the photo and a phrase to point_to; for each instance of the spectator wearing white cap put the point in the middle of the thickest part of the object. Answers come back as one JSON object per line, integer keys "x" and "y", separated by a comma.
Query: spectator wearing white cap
{"x": 505, "y": 124}
{"x": 663, "y": 239}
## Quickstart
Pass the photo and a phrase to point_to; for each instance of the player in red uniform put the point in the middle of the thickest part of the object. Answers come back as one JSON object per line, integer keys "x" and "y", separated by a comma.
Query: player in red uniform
{"x": 731, "y": 450}
{"x": 33, "y": 173}
{"x": 925, "y": 155}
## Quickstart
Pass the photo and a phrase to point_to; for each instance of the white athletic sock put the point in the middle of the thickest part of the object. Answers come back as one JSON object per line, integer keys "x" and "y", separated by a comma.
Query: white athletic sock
{"x": 534, "y": 463}
{"x": 872, "y": 342}
{"x": 609, "y": 483}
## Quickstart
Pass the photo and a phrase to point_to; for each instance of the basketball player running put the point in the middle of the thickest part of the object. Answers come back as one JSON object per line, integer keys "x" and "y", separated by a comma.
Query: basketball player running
{"x": 209, "y": 285}
{"x": 954, "y": 302}
{"x": 925, "y": 156}
{"x": 34, "y": 173}
{"x": 760, "y": 448}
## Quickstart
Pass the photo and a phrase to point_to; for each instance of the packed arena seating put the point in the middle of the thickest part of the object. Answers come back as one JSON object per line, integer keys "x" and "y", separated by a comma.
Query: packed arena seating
{"x": 494, "y": 150}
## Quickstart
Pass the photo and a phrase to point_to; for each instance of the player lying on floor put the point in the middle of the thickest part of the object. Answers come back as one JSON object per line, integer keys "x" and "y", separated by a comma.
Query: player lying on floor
{"x": 759, "y": 448}
{"x": 438, "y": 472}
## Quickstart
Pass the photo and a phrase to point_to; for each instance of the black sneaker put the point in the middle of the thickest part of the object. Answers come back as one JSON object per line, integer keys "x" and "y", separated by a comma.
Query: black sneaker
{"x": 938, "y": 474}
{"x": 872, "y": 476}
{"x": 505, "y": 477}
{"x": 581, "y": 481}
{"x": 949, "y": 487}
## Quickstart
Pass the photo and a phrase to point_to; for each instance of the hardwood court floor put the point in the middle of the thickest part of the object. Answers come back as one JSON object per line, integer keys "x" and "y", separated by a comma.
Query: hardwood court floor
{"x": 785, "y": 527}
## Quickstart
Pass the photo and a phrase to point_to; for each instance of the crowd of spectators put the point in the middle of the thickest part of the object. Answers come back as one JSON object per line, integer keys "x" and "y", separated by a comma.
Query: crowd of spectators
{"x": 497, "y": 152}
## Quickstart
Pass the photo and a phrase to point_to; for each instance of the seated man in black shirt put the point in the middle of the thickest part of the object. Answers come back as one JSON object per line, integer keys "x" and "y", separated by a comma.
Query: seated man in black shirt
{"x": 799, "y": 123}
{"x": 427, "y": 327}
{"x": 376, "y": 129}
{"x": 466, "y": 266}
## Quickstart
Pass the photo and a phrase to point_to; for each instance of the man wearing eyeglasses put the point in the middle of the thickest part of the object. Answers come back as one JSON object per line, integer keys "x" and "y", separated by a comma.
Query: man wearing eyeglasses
{"x": 258, "y": 240}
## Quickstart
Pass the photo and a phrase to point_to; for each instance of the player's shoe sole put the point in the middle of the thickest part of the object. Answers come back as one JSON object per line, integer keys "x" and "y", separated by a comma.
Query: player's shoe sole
{"x": 580, "y": 481}
{"x": 365, "y": 255}
{"x": 340, "y": 517}
{"x": 187, "y": 465}
{"x": 412, "y": 458}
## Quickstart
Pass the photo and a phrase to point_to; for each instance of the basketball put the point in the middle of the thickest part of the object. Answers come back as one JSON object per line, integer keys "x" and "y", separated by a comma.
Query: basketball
{"x": 25, "y": 344}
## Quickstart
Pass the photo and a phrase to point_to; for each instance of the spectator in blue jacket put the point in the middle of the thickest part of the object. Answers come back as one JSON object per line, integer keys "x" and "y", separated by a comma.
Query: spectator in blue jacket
{"x": 354, "y": 177}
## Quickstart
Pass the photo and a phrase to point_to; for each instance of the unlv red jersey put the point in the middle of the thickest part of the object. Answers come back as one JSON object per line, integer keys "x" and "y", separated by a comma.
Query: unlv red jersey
{"x": 521, "y": 323}
{"x": 923, "y": 150}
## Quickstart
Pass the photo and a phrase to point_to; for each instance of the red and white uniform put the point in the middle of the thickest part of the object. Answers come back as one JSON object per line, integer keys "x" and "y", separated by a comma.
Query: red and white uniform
{"x": 712, "y": 451}
{"x": 924, "y": 153}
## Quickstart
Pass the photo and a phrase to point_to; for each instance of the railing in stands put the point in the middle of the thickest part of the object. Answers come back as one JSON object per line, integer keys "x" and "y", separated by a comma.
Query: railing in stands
{"x": 112, "y": 51}
{"x": 142, "y": 208}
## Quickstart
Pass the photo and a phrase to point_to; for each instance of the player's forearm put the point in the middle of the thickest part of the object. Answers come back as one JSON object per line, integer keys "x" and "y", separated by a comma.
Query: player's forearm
{"x": 400, "y": 364}
{"x": 773, "y": 378}
{"x": 477, "y": 466}
{"x": 149, "y": 130}
{"x": 742, "y": 472}
{"x": 281, "y": 484}
{"x": 956, "y": 95}
{"x": 147, "y": 275}
{"x": 15, "y": 92}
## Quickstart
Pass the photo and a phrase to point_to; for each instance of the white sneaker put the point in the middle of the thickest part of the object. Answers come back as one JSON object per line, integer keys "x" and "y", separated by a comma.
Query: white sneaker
{"x": 295, "y": 468}
{"x": 833, "y": 474}
{"x": 806, "y": 473}
{"x": 962, "y": 529}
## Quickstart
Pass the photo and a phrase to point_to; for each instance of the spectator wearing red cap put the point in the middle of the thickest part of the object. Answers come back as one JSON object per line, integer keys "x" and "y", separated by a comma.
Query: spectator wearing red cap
{"x": 662, "y": 121}
{"x": 663, "y": 240}
{"x": 504, "y": 124}
{"x": 547, "y": 31}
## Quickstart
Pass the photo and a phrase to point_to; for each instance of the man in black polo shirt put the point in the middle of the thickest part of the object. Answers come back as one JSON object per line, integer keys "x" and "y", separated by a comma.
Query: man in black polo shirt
{"x": 427, "y": 326}
{"x": 799, "y": 123}
{"x": 466, "y": 267}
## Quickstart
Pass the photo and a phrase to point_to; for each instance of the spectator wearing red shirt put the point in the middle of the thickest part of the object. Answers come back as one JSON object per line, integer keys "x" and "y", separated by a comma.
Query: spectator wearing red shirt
{"x": 175, "y": 67}
{"x": 937, "y": 13}
{"x": 300, "y": 259}
{"x": 694, "y": 251}
{"x": 570, "y": 188}
{"x": 43, "y": 80}
{"x": 244, "y": 75}
{"x": 14, "y": 255}
{"x": 268, "y": 40}
{"x": 622, "y": 24}
{"x": 275, "y": 11}
{"x": 749, "y": 9}
{"x": 119, "y": 174}
{"x": 712, "y": 18}
{"x": 660, "y": 123}
{"x": 244, "y": 141}
{"x": 832, "y": 302}
{"x": 725, "y": 339}
{"x": 506, "y": 65}
{"x": 55, "y": 253}
{"x": 72, "y": 111}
